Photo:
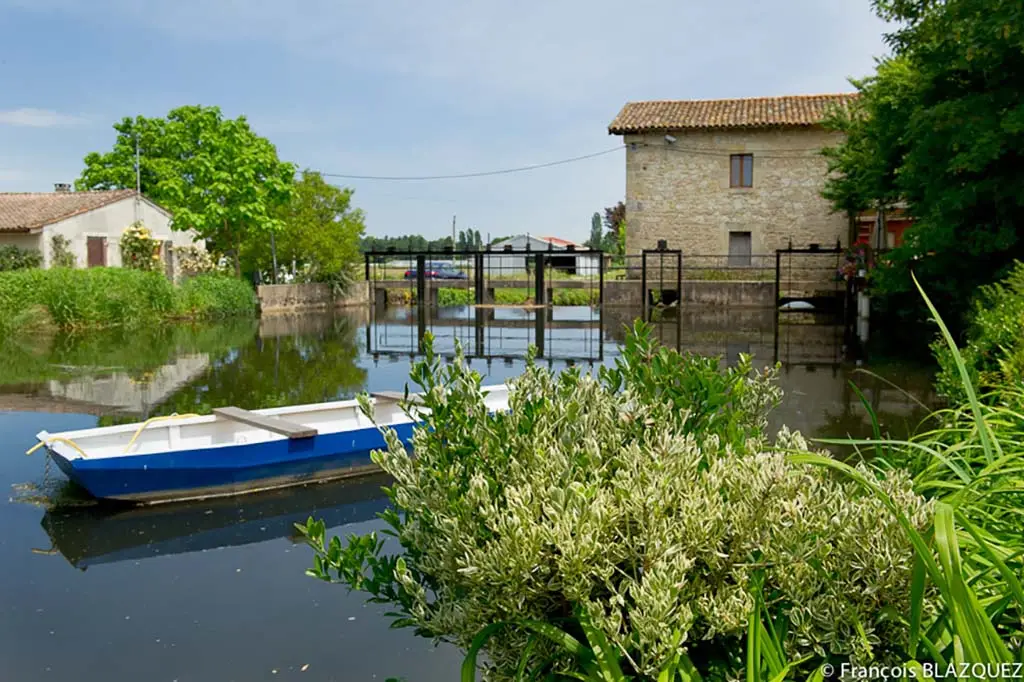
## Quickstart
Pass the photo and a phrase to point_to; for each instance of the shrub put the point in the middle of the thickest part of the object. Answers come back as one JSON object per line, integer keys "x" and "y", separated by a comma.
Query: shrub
{"x": 214, "y": 296}
{"x": 192, "y": 261}
{"x": 994, "y": 349}
{"x": 60, "y": 252}
{"x": 139, "y": 250}
{"x": 16, "y": 258}
{"x": 446, "y": 297}
{"x": 644, "y": 502}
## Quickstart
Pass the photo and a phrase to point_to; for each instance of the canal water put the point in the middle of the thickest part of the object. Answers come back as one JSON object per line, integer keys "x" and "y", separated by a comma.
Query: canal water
{"x": 215, "y": 591}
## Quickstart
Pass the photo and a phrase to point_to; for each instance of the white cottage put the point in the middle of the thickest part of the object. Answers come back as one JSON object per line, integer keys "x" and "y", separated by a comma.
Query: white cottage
{"x": 92, "y": 222}
{"x": 561, "y": 256}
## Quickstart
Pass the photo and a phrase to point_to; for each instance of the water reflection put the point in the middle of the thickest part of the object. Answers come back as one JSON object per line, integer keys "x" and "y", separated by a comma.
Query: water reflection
{"x": 101, "y": 534}
{"x": 202, "y": 581}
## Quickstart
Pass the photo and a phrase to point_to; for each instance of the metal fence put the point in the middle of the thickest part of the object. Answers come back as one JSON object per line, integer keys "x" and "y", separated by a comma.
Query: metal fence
{"x": 751, "y": 268}
{"x": 488, "y": 277}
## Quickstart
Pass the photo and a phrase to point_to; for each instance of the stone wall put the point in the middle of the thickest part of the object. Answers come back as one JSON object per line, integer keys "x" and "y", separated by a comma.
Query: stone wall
{"x": 288, "y": 298}
{"x": 680, "y": 192}
{"x": 696, "y": 292}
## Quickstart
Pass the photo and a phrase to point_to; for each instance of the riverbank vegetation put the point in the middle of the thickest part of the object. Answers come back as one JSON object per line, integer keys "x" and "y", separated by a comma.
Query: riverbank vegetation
{"x": 102, "y": 297}
{"x": 643, "y": 525}
{"x": 937, "y": 129}
{"x": 994, "y": 347}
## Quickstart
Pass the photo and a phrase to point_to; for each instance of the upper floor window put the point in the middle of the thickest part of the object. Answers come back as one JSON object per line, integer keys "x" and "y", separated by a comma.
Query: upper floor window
{"x": 741, "y": 170}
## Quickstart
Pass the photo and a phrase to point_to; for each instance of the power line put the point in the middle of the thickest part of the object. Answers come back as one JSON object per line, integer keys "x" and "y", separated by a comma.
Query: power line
{"x": 705, "y": 151}
{"x": 504, "y": 171}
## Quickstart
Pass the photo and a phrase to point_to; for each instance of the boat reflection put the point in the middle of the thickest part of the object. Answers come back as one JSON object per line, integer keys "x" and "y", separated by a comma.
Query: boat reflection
{"x": 104, "y": 534}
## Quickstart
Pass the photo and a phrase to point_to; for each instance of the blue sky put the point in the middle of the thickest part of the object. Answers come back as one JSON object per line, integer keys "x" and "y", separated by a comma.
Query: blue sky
{"x": 405, "y": 87}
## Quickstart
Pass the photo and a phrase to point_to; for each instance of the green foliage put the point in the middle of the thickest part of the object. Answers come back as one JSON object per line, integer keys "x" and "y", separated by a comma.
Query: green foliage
{"x": 139, "y": 250}
{"x": 596, "y": 231}
{"x": 192, "y": 261}
{"x": 320, "y": 234}
{"x": 614, "y": 216}
{"x": 469, "y": 239}
{"x": 613, "y": 506}
{"x": 994, "y": 349}
{"x": 215, "y": 296}
{"x": 971, "y": 465}
{"x": 60, "y": 252}
{"x": 16, "y": 258}
{"x": 454, "y": 297}
{"x": 862, "y": 170}
{"x": 99, "y": 297}
{"x": 215, "y": 175}
{"x": 966, "y": 602}
{"x": 944, "y": 133}
{"x": 413, "y": 242}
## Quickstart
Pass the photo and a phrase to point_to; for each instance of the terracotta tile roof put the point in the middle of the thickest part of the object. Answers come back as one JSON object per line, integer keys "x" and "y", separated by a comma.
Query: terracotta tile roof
{"x": 24, "y": 211}
{"x": 755, "y": 112}
{"x": 557, "y": 242}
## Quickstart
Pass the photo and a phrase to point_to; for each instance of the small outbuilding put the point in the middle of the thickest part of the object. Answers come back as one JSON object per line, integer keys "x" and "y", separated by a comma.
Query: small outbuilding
{"x": 561, "y": 256}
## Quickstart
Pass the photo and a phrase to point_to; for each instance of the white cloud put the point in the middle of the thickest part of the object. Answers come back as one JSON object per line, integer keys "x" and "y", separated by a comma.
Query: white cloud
{"x": 38, "y": 118}
{"x": 559, "y": 51}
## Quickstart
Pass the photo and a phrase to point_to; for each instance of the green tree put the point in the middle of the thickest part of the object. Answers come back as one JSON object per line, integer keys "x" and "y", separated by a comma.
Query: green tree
{"x": 215, "y": 175}
{"x": 596, "y": 231}
{"x": 947, "y": 137}
{"x": 320, "y": 234}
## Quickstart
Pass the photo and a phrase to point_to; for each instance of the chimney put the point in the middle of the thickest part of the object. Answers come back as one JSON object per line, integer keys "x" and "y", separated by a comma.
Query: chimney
{"x": 61, "y": 187}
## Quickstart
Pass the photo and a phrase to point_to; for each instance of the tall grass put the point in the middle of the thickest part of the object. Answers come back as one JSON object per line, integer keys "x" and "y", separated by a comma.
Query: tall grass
{"x": 105, "y": 297}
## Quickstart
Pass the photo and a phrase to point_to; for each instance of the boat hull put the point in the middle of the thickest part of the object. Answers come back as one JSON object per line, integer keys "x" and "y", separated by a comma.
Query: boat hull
{"x": 219, "y": 471}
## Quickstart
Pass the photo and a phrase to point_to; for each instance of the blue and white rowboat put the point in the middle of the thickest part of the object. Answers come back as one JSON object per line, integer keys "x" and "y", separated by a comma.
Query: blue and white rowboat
{"x": 233, "y": 451}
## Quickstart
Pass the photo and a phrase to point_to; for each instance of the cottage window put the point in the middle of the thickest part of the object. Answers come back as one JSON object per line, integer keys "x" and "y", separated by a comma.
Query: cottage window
{"x": 741, "y": 170}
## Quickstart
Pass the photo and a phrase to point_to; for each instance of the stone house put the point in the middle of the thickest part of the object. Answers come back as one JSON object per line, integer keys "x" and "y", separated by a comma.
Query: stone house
{"x": 92, "y": 222}
{"x": 736, "y": 178}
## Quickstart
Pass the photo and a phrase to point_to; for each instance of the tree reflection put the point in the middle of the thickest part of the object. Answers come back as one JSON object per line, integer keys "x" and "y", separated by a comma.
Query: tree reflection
{"x": 312, "y": 367}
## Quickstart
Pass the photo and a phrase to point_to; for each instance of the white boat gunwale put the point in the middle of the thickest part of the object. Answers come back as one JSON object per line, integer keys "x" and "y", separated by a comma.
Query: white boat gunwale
{"x": 69, "y": 453}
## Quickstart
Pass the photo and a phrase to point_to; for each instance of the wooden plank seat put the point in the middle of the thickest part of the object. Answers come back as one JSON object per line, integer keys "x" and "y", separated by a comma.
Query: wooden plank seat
{"x": 274, "y": 424}
{"x": 394, "y": 397}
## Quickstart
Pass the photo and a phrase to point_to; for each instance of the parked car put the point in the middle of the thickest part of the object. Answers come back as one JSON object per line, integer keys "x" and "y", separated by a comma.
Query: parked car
{"x": 438, "y": 271}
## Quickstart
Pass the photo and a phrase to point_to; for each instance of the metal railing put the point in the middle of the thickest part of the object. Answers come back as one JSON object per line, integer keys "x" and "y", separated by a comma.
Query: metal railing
{"x": 755, "y": 267}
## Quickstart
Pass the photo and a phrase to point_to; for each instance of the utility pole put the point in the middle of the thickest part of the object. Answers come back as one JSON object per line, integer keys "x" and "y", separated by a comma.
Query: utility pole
{"x": 453, "y": 232}
{"x": 138, "y": 178}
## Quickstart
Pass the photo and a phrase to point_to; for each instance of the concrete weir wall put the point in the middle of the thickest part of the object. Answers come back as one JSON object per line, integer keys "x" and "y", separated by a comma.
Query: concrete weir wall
{"x": 288, "y": 298}
{"x": 697, "y": 292}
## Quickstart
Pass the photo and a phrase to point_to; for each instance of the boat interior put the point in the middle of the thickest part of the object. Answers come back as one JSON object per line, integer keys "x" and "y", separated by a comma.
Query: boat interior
{"x": 233, "y": 426}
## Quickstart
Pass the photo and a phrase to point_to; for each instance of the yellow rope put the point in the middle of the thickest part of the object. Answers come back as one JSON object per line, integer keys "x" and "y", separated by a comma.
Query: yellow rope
{"x": 57, "y": 439}
{"x": 155, "y": 419}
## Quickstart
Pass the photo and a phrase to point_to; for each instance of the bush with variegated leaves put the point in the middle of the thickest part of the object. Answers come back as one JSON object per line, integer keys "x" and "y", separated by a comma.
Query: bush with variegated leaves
{"x": 647, "y": 498}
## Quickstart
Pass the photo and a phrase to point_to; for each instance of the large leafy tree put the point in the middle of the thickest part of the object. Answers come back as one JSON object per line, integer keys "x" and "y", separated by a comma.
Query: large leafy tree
{"x": 320, "y": 235}
{"x": 214, "y": 174}
{"x": 943, "y": 131}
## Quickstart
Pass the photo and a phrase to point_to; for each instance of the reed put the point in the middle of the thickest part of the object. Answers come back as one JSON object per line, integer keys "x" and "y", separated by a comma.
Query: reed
{"x": 104, "y": 297}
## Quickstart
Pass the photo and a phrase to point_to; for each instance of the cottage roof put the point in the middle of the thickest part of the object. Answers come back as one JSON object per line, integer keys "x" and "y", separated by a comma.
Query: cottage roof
{"x": 25, "y": 211}
{"x": 754, "y": 112}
